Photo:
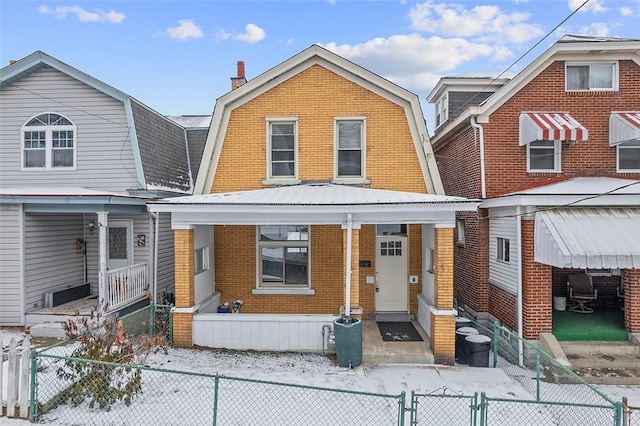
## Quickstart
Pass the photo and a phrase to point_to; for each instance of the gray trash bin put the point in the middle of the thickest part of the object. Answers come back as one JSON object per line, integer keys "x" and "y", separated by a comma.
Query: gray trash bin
{"x": 348, "y": 333}
{"x": 461, "y": 347}
{"x": 478, "y": 347}
{"x": 462, "y": 322}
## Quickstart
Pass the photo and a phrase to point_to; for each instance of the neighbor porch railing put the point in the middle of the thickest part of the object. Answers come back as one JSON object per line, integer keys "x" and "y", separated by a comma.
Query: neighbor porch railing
{"x": 126, "y": 285}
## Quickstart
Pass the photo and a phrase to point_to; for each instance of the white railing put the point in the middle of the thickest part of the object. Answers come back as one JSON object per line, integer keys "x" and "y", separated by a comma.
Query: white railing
{"x": 16, "y": 381}
{"x": 126, "y": 285}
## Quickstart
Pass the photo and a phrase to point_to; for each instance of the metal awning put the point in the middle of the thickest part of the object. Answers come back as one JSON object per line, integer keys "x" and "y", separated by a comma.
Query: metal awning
{"x": 624, "y": 127}
{"x": 598, "y": 238}
{"x": 312, "y": 203}
{"x": 545, "y": 126}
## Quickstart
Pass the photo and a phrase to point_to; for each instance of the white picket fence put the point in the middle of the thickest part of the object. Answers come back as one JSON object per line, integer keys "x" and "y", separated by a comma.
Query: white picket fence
{"x": 14, "y": 379}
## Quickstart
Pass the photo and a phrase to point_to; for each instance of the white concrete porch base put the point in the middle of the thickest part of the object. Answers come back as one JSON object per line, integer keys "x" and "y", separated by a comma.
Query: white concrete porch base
{"x": 263, "y": 332}
{"x": 47, "y": 329}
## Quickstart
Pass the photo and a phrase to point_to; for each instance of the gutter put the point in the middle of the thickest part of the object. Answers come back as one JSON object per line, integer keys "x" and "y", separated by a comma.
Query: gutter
{"x": 519, "y": 298}
{"x": 347, "y": 305}
{"x": 483, "y": 182}
{"x": 156, "y": 220}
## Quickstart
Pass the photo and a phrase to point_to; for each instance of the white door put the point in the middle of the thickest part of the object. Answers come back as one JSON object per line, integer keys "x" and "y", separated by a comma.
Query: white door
{"x": 119, "y": 244}
{"x": 391, "y": 274}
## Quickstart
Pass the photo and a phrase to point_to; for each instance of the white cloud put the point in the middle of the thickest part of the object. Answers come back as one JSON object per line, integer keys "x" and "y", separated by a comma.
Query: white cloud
{"x": 96, "y": 15}
{"x": 598, "y": 29}
{"x": 626, "y": 11}
{"x": 403, "y": 58}
{"x": 185, "y": 30}
{"x": 486, "y": 22}
{"x": 592, "y": 6}
{"x": 253, "y": 34}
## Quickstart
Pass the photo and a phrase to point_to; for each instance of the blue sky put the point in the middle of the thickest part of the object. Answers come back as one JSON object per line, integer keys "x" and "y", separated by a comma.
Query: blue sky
{"x": 178, "y": 56}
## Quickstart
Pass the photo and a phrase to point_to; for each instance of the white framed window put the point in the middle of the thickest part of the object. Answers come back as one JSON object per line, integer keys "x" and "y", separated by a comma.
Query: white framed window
{"x": 350, "y": 137}
{"x": 503, "y": 247}
{"x": 442, "y": 110}
{"x": 201, "y": 260}
{"x": 591, "y": 76}
{"x": 629, "y": 156}
{"x": 544, "y": 156}
{"x": 48, "y": 142}
{"x": 429, "y": 260}
{"x": 460, "y": 240}
{"x": 283, "y": 256}
{"x": 282, "y": 148}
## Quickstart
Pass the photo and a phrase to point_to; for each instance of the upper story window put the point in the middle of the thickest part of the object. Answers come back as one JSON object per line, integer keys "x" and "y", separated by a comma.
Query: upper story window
{"x": 629, "y": 156}
{"x": 592, "y": 76}
{"x": 544, "y": 156}
{"x": 442, "y": 110}
{"x": 350, "y": 148}
{"x": 48, "y": 142}
{"x": 282, "y": 141}
{"x": 283, "y": 256}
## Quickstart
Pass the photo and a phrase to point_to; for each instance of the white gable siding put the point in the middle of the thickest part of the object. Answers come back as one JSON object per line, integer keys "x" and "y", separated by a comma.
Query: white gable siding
{"x": 104, "y": 153}
{"x": 10, "y": 265}
{"x": 503, "y": 223}
{"x": 51, "y": 259}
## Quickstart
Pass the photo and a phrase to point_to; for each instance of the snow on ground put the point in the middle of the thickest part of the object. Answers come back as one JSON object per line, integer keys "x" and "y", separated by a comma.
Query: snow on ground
{"x": 320, "y": 371}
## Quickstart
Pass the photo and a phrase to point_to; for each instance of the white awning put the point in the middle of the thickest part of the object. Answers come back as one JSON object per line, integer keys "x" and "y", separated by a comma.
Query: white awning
{"x": 624, "y": 127}
{"x": 598, "y": 238}
{"x": 550, "y": 126}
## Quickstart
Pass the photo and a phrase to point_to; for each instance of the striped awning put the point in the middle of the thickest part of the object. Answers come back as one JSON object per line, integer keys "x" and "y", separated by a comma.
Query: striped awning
{"x": 545, "y": 126}
{"x": 624, "y": 127}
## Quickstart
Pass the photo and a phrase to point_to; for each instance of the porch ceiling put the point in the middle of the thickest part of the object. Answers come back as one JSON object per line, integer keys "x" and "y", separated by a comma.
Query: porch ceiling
{"x": 316, "y": 203}
{"x": 598, "y": 238}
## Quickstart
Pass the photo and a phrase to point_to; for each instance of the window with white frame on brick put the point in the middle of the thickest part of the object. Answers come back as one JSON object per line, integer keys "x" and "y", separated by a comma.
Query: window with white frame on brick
{"x": 282, "y": 141}
{"x": 544, "y": 156}
{"x": 442, "y": 110}
{"x": 283, "y": 256}
{"x": 460, "y": 239}
{"x": 350, "y": 137}
{"x": 503, "y": 247}
{"x": 591, "y": 76}
{"x": 629, "y": 156}
{"x": 48, "y": 142}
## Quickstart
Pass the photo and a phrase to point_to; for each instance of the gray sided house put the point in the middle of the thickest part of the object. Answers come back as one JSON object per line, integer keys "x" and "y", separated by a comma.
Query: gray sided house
{"x": 79, "y": 160}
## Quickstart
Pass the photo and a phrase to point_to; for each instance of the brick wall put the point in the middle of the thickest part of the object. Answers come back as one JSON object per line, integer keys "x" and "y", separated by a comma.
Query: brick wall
{"x": 536, "y": 288}
{"x": 631, "y": 278}
{"x": 443, "y": 268}
{"x": 504, "y": 306}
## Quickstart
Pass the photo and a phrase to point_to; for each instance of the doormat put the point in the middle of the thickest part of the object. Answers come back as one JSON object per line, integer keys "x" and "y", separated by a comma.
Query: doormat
{"x": 398, "y": 332}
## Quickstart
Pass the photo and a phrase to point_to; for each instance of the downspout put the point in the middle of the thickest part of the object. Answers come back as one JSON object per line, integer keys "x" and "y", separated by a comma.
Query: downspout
{"x": 156, "y": 220}
{"x": 519, "y": 298}
{"x": 347, "y": 307}
{"x": 483, "y": 183}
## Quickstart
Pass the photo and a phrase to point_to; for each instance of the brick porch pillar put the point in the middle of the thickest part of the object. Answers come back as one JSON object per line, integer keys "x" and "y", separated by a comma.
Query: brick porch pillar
{"x": 185, "y": 288}
{"x": 631, "y": 281}
{"x": 536, "y": 287}
{"x": 356, "y": 309}
{"x": 443, "y": 316}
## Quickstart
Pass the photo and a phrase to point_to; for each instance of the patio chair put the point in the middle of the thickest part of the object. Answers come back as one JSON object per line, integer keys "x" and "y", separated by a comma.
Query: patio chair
{"x": 580, "y": 290}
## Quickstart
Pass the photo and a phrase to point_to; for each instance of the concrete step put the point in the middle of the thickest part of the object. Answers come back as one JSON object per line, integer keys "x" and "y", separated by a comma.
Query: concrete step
{"x": 47, "y": 329}
{"x": 594, "y": 348}
{"x": 609, "y": 376}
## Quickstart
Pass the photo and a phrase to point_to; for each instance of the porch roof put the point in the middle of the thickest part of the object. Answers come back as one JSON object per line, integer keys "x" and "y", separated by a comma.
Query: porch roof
{"x": 598, "y": 238}
{"x": 70, "y": 199}
{"x": 313, "y": 203}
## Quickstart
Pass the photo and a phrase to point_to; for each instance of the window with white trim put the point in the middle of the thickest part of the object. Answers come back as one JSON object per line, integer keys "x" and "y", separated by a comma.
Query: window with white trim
{"x": 591, "y": 76}
{"x": 201, "y": 259}
{"x": 460, "y": 240}
{"x": 503, "y": 247}
{"x": 442, "y": 113}
{"x": 282, "y": 141}
{"x": 629, "y": 156}
{"x": 544, "y": 156}
{"x": 350, "y": 148}
{"x": 283, "y": 256}
{"x": 48, "y": 142}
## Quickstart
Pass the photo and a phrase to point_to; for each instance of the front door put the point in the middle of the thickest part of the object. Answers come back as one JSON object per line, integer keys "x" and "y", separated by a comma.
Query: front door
{"x": 120, "y": 244}
{"x": 391, "y": 274}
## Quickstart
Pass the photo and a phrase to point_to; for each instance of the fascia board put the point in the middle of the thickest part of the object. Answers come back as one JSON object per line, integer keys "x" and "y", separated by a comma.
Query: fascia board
{"x": 562, "y": 200}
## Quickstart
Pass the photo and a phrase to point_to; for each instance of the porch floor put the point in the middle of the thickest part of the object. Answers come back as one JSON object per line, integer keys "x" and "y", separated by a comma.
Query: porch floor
{"x": 82, "y": 306}
{"x": 601, "y": 325}
{"x": 377, "y": 351}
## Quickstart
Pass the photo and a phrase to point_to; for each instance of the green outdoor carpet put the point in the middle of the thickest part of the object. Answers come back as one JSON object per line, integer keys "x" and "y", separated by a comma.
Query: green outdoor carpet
{"x": 602, "y": 325}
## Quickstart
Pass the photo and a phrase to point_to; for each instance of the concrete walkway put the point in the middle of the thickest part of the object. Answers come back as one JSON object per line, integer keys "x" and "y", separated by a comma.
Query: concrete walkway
{"x": 377, "y": 351}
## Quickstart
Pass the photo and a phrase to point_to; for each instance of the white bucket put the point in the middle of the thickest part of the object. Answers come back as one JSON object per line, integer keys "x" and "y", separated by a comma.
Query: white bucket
{"x": 559, "y": 303}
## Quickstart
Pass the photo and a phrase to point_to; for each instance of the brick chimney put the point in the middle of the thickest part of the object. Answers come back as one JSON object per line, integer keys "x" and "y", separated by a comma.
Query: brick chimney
{"x": 240, "y": 79}
{"x": 12, "y": 61}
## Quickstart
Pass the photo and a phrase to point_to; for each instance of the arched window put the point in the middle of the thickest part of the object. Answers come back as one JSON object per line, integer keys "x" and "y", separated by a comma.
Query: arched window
{"x": 48, "y": 142}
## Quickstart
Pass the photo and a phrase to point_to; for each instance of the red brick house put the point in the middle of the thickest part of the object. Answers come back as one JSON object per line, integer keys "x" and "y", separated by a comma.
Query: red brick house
{"x": 554, "y": 153}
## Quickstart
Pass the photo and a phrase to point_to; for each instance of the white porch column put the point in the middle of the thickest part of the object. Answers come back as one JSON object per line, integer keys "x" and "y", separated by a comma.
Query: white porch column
{"x": 103, "y": 223}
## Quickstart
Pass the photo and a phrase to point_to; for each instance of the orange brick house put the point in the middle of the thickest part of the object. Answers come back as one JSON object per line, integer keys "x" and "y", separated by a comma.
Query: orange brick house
{"x": 318, "y": 195}
{"x": 554, "y": 153}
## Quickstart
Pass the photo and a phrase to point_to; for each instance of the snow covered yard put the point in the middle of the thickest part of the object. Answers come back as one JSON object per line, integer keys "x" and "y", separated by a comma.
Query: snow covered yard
{"x": 161, "y": 390}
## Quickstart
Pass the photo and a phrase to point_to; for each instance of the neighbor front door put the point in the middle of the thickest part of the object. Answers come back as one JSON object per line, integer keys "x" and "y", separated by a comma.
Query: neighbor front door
{"x": 391, "y": 274}
{"x": 120, "y": 244}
